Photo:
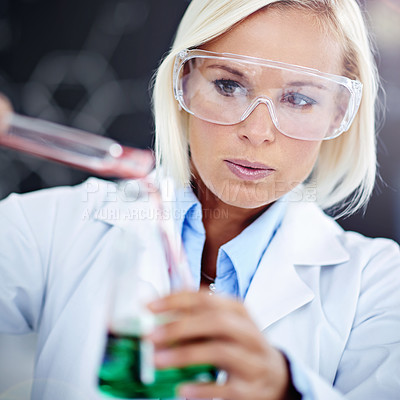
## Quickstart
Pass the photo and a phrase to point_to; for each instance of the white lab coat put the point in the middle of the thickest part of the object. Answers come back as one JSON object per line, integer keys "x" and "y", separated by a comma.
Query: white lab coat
{"x": 329, "y": 299}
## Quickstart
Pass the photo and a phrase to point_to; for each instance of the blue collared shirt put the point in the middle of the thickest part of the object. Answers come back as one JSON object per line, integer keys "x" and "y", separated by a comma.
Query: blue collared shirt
{"x": 237, "y": 259}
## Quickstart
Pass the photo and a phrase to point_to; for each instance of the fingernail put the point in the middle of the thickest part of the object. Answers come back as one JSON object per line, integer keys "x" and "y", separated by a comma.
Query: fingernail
{"x": 162, "y": 358}
{"x": 156, "y": 305}
{"x": 186, "y": 391}
{"x": 157, "y": 335}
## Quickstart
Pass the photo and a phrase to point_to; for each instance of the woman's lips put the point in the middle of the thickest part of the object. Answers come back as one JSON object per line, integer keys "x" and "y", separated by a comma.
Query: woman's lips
{"x": 249, "y": 171}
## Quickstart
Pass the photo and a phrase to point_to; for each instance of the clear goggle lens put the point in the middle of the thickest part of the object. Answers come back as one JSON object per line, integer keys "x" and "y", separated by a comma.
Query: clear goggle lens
{"x": 303, "y": 103}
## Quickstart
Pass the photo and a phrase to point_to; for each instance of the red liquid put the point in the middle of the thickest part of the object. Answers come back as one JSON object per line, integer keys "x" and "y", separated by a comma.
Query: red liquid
{"x": 132, "y": 164}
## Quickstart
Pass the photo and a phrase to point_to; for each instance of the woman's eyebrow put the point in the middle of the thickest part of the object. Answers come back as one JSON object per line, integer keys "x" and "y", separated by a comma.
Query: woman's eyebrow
{"x": 226, "y": 68}
{"x": 231, "y": 70}
{"x": 307, "y": 83}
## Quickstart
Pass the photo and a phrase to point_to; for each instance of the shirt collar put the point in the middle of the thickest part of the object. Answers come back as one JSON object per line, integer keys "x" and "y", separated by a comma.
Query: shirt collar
{"x": 188, "y": 208}
{"x": 245, "y": 250}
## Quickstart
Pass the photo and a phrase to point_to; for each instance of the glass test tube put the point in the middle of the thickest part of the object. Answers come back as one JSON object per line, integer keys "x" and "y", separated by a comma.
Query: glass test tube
{"x": 100, "y": 155}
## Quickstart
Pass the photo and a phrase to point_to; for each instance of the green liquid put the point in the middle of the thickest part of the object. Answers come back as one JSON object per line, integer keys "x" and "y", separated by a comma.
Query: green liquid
{"x": 121, "y": 376}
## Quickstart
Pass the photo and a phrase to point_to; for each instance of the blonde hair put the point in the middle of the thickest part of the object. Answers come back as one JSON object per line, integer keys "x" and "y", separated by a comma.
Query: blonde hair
{"x": 344, "y": 174}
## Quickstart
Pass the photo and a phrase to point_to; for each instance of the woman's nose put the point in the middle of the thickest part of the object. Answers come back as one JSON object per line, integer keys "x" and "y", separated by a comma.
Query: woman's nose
{"x": 258, "y": 127}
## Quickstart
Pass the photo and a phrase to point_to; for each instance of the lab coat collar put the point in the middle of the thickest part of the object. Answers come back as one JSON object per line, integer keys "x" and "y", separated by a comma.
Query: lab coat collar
{"x": 307, "y": 237}
{"x": 313, "y": 238}
{"x": 310, "y": 235}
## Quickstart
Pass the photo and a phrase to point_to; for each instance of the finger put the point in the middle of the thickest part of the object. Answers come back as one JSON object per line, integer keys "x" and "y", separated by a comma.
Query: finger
{"x": 209, "y": 391}
{"x": 238, "y": 390}
{"x": 189, "y": 302}
{"x": 211, "y": 325}
{"x": 5, "y": 110}
{"x": 233, "y": 359}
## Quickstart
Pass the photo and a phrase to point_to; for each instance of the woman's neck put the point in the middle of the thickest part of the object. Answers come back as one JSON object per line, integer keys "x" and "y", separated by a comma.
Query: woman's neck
{"x": 221, "y": 219}
{"x": 222, "y": 222}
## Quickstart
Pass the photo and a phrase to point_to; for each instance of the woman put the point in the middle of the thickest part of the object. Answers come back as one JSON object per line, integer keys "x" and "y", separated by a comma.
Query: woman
{"x": 254, "y": 139}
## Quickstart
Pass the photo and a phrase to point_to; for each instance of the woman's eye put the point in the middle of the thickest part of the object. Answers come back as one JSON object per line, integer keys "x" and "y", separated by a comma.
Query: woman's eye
{"x": 227, "y": 87}
{"x": 298, "y": 100}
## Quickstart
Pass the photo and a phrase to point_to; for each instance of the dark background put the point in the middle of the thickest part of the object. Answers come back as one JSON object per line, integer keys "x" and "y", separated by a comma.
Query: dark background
{"x": 88, "y": 64}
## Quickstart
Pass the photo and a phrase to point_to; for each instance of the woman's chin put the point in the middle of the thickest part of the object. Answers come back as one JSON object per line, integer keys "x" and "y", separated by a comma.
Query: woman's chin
{"x": 248, "y": 198}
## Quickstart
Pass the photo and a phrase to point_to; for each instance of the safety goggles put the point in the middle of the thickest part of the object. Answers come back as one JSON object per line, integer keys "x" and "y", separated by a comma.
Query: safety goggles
{"x": 303, "y": 103}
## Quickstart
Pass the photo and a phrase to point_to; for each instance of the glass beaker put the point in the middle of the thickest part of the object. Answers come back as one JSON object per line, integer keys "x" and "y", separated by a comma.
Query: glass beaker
{"x": 127, "y": 369}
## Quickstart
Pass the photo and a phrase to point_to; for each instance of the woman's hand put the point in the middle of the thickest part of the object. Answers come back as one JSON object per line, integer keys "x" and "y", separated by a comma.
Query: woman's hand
{"x": 5, "y": 110}
{"x": 217, "y": 330}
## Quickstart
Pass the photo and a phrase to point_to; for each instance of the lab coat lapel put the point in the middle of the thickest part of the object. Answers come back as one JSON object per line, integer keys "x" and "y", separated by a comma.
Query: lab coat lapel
{"x": 307, "y": 237}
{"x": 276, "y": 289}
